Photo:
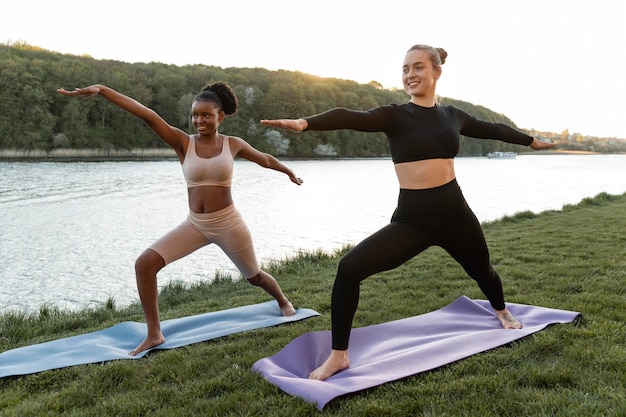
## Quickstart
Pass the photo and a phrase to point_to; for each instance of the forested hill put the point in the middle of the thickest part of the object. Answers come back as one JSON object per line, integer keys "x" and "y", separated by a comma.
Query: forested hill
{"x": 34, "y": 117}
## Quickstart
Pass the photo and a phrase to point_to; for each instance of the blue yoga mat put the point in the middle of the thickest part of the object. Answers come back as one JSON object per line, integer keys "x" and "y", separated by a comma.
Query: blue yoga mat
{"x": 115, "y": 342}
{"x": 390, "y": 351}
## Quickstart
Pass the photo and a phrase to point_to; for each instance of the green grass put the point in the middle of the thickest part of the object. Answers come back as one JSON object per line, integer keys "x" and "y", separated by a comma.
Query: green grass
{"x": 571, "y": 259}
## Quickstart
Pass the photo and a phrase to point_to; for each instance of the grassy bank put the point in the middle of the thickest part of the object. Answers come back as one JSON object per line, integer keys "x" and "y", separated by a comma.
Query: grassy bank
{"x": 572, "y": 259}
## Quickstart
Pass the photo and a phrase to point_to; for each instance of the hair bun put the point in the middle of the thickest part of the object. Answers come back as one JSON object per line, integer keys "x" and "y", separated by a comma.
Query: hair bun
{"x": 442, "y": 55}
{"x": 226, "y": 95}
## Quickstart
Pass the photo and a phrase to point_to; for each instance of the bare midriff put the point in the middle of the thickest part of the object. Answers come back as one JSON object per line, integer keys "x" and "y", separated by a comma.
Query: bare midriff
{"x": 209, "y": 198}
{"x": 429, "y": 173}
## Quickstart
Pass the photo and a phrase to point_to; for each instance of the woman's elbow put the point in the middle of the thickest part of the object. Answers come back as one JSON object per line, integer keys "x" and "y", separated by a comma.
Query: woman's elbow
{"x": 268, "y": 160}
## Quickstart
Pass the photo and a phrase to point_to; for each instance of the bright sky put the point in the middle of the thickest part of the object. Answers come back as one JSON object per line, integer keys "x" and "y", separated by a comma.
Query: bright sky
{"x": 546, "y": 64}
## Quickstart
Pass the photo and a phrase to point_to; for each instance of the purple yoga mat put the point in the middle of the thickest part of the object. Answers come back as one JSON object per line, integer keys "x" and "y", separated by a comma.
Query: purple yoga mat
{"x": 390, "y": 351}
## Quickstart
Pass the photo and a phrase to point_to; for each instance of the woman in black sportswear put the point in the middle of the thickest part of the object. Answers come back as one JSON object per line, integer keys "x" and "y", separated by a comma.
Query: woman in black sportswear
{"x": 424, "y": 139}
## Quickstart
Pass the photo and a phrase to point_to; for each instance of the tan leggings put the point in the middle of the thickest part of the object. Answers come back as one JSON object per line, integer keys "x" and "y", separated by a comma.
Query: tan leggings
{"x": 224, "y": 227}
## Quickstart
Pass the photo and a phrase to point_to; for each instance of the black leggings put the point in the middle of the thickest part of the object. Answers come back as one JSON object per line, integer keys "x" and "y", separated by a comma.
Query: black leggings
{"x": 433, "y": 217}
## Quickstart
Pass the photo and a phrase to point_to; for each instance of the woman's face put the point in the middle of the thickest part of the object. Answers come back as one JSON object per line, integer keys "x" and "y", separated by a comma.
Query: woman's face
{"x": 418, "y": 75}
{"x": 206, "y": 116}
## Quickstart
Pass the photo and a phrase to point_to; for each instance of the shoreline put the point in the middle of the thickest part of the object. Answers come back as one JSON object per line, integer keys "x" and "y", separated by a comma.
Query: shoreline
{"x": 67, "y": 154}
{"x": 87, "y": 154}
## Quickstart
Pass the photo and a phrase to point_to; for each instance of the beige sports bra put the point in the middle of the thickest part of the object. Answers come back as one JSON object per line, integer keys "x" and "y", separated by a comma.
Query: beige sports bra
{"x": 217, "y": 170}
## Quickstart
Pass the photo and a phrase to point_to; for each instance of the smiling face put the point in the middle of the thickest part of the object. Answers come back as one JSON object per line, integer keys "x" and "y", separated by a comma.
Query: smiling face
{"x": 206, "y": 116}
{"x": 419, "y": 77}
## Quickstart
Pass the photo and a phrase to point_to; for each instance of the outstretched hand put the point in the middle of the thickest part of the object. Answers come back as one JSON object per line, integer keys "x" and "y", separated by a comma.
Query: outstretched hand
{"x": 538, "y": 145}
{"x": 295, "y": 180}
{"x": 296, "y": 125}
{"x": 81, "y": 92}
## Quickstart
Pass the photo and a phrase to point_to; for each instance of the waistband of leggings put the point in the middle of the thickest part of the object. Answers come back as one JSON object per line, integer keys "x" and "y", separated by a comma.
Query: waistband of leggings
{"x": 452, "y": 185}
{"x": 213, "y": 215}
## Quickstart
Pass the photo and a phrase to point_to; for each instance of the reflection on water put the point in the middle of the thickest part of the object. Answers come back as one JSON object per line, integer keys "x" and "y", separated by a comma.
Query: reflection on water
{"x": 70, "y": 232}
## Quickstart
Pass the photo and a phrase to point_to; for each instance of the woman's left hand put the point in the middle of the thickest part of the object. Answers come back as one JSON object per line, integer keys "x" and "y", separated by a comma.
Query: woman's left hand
{"x": 295, "y": 180}
{"x": 538, "y": 145}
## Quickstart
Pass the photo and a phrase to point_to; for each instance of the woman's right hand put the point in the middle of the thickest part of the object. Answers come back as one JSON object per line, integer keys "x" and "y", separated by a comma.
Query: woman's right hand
{"x": 84, "y": 92}
{"x": 295, "y": 125}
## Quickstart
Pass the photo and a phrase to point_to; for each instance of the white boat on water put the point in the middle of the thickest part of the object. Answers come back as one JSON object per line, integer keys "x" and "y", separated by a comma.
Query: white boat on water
{"x": 501, "y": 155}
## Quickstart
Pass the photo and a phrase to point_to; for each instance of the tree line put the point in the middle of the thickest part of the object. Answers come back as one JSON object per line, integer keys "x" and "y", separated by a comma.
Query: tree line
{"x": 34, "y": 117}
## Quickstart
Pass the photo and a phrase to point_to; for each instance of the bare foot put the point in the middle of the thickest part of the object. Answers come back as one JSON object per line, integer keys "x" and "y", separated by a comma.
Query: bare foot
{"x": 148, "y": 343}
{"x": 336, "y": 362}
{"x": 287, "y": 310}
{"x": 507, "y": 320}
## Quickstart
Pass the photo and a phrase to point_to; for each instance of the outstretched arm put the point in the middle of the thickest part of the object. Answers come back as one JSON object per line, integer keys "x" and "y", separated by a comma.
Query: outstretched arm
{"x": 374, "y": 120}
{"x": 296, "y": 125}
{"x": 173, "y": 136}
{"x": 245, "y": 150}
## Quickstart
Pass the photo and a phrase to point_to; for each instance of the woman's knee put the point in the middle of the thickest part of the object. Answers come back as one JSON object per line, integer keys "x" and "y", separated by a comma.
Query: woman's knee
{"x": 255, "y": 280}
{"x": 484, "y": 272}
{"x": 259, "y": 279}
{"x": 350, "y": 268}
{"x": 149, "y": 262}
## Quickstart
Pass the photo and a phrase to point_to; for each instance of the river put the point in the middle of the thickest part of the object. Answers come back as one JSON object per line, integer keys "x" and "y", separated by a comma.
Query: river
{"x": 70, "y": 231}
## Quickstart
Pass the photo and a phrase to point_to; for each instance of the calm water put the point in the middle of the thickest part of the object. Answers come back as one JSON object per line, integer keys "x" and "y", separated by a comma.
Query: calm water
{"x": 70, "y": 232}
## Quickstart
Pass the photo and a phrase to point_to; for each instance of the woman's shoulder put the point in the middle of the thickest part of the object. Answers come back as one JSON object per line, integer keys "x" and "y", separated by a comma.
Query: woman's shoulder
{"x": 451, "y": 111}
{"x": 235, "y": 142}
{"x": 232, "y": 138}
{"x": 391, "y": 108}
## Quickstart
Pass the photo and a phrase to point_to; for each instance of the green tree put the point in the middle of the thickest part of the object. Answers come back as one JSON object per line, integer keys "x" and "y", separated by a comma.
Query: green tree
{"x": 35, "y": 129}
{"x": 9, "y": 100}
{"x": 74, "y": 125}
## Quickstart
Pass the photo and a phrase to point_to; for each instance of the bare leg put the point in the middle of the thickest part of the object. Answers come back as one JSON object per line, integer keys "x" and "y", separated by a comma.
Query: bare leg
{"x": 146, "y": 268}
{"x": 269, "y": 284}
{"x": 507, "y": 319}
{"x": 336, "y": 362}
